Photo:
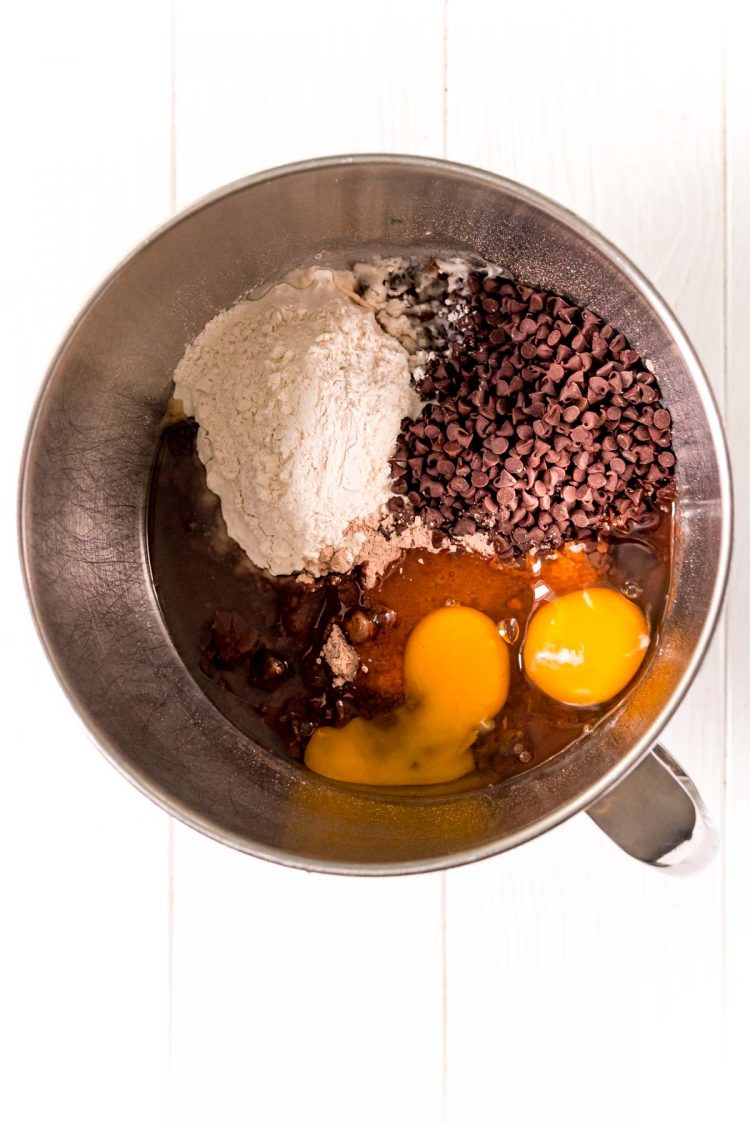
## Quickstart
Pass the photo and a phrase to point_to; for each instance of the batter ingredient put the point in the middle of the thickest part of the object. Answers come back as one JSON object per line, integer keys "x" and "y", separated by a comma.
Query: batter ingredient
{"x": 340, "y": 657}
{"x": 254, "y": 641}
{"x": 532, "y": 480}
{"x": 299, "y": 397}
{"x": 456, "y": 676}
{"x": 542, "y": 424}
{"x": 584, "y": 648}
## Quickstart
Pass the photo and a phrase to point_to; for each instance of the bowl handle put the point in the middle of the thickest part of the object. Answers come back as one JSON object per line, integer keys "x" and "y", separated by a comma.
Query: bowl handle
{"x": 657, "y": 815}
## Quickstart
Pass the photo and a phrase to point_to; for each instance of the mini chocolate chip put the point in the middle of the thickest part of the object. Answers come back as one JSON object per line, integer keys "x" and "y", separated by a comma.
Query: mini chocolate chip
{"x": 359, "y": 626}
{"x": 531, "y": 367}
{"x": 465, "y": 526}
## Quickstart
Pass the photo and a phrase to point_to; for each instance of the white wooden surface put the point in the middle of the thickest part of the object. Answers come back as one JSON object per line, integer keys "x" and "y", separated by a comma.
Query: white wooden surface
{"x": 147, "y": 974}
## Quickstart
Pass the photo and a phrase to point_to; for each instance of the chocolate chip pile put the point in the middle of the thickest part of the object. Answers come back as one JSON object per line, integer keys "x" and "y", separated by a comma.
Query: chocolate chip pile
{"x": 542, "y": 425}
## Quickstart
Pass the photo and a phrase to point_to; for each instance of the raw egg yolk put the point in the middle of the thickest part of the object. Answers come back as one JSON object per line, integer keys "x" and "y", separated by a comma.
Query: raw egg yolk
{"x": 456, "y": 674}
{"x": 584, "y": 647}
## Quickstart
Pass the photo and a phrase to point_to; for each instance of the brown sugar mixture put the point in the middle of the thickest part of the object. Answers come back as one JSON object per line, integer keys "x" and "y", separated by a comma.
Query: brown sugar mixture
{"x": 253, "y": 641}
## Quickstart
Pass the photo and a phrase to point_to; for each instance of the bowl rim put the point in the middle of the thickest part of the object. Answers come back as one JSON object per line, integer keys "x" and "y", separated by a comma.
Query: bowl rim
{"x": 175, "y": 806}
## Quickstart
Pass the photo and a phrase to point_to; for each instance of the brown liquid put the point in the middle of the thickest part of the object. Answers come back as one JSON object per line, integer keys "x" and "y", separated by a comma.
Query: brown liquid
{"x": 252, "y": 641}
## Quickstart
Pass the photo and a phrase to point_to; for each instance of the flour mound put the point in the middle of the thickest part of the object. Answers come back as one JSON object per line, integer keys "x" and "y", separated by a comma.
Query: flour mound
{"x": 299, "y": 397}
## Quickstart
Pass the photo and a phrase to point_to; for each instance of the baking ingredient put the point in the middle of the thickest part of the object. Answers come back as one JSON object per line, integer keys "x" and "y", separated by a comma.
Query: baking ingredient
{"x": 543, "y": 424}
{"x": 340, "y": 657}
{"x": 299, "y": 397}
{"x": 456, "y": 676}
{"x": 386, "y": 539}
{"x": 238, "y": 628}
{"x": 414, "y": 301}
{"x": 541, "y": 428}
{"x": 585, "y": 647}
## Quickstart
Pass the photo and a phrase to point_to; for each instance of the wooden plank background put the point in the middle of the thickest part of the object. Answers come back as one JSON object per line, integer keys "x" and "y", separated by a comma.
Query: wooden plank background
{"x": 146, "y": 973}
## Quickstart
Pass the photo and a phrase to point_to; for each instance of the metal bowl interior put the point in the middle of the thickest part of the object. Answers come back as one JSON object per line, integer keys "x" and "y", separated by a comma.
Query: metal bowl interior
{"x": 88, "y": 463}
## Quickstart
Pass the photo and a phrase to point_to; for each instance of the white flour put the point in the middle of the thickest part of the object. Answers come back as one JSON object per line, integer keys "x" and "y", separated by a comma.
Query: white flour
{"x": 299, "y": 398}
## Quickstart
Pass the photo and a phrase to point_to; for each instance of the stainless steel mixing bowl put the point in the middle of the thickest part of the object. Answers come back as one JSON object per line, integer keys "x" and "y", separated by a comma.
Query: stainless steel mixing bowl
{"x": 83, "y": 502}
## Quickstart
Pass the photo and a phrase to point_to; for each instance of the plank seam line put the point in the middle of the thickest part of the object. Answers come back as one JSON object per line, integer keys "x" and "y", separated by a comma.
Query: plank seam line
{"x": 445, "y": 79}
{"x": 726, "y": 266}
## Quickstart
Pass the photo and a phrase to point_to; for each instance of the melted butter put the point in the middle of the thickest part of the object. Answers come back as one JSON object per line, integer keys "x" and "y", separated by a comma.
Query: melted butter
{"x": 456, "y": 678}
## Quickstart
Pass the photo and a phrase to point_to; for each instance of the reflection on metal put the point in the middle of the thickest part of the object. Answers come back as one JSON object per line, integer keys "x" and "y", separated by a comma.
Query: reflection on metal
{"x": 656, "y": 815}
